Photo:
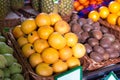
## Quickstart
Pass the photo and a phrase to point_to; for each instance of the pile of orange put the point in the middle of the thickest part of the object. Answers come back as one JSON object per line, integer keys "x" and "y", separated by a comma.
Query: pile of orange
{"x": 109, "y": 13}
{"x": 48, "y": 44}
{"x": 81, "y": 4}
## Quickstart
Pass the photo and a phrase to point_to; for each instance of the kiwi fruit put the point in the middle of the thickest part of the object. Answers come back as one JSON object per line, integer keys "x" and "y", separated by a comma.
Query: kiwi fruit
{"x": 106, "y": 56}
{"x": 74, "y": 16}
{"x": 89, "y": 21}
{"x": 84, "y": 36}
{"x": 110, "y": 36}
{"x": 96, "y": 57}
{"x": 72, "y": 22}
{"x": 93, "y": 42}
{"x": 110, "y": 49}
{"x": 76, "y": 28}
{"x": 96, "y": 26}
{"x": 87, "y": 27}
{"x": 82, "y": 21}
{"x": 104, "y": 29}
{"x": 88, "y": 48}
{"x": 116, "y": 45}
{"x": 99, "y": 49}
{"x": 97, "y": 34}
{"x": 115, "y": 54}
{"x": 105, "y": 42}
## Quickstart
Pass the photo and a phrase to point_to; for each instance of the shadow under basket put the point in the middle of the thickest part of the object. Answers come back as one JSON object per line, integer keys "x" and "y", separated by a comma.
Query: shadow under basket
{"x": 92, "y": 65}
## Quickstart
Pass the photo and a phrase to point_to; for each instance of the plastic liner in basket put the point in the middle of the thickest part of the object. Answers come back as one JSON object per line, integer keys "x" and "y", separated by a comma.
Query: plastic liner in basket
{"x": 25, "y": 73}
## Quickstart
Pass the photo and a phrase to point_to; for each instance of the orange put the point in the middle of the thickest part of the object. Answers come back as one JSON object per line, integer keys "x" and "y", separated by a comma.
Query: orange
{"x": 118, "y": 13}
{"x": 86, "y": 4}
{"x": 50, "y": 55}
{"x": 44, "y": 69}
{"x": 42, "y": 19}
{"x": 71, "y": 39}
{"x": 82, "y": 1}
{"x": 73, "y": 62}
{"x": 35, "y": 59}
{"x": 93, "y": 2}
{"x": 114, "y": 6}
{"x": 76, "y": 4}
{"x": 22, "y": 40}
{"x": 94, "y": 15}
{"x": 28, "y": 26}
{"x": 40, "y": 45}
{"x": 65, "y": 53}
{"x": 17, "y": 32}
{"x": 79, "y": 8}
{"x": 118, "y": 21}
{"x": 27, "y": 50}
{"x": 62, "y": 27}
{"x": 54, "y": 17}
{"x": 60, "y": 66}
{"x": 33, "y": 36}
{"x": 79, "y": 50}
{"x": 112, "y": 18}
{"x": 56, "y": 40}
{"x": 118, "y": 1}
{"x": 45, "y": 31}
{"x": 103, "y": 12}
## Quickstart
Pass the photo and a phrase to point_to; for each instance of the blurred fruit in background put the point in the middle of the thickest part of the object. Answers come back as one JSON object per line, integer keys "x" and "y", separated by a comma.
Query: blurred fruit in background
{"x": 109, "y": 13}
{"x": 81, "y": 4}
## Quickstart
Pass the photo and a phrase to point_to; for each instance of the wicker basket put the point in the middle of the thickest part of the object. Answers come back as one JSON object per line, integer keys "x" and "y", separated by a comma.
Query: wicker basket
{"x": 24, "y": 60}
{"x": 90, "y": 64}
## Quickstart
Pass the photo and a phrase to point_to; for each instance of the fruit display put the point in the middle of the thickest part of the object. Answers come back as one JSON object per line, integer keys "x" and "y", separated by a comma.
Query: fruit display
{"x": 100, "y": 44}
{"x": 10, "y": 69}
{"x": 81, "y": 4}
{"x": 109, "y": 13}
{"x": 62, "y": 7}
{"x": 48, "y": 44}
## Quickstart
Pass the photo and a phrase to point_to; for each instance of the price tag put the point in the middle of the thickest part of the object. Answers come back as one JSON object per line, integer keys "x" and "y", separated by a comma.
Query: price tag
{"x": 72, "y": 74}
{"x": 111, "y": 76}
{"x": 56, "y": 1}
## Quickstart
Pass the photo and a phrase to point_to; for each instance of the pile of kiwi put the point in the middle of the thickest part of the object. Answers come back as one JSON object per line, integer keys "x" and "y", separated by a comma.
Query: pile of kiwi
{"x": 100, "y": 44}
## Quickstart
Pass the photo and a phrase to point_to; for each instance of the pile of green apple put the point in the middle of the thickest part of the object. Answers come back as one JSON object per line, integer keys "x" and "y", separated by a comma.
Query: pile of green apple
{"x": 10, "y": 69}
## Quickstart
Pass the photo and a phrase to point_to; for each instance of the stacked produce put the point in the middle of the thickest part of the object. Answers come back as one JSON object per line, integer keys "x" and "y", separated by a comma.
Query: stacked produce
{"x": 10, "y": 69}
{"x": 109, "y": 13}
{"x": 62, "y": 7}
{"x": 100, "y": 44}
{"x": 48, "y": 44}
{"x": 81, "y": 4}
